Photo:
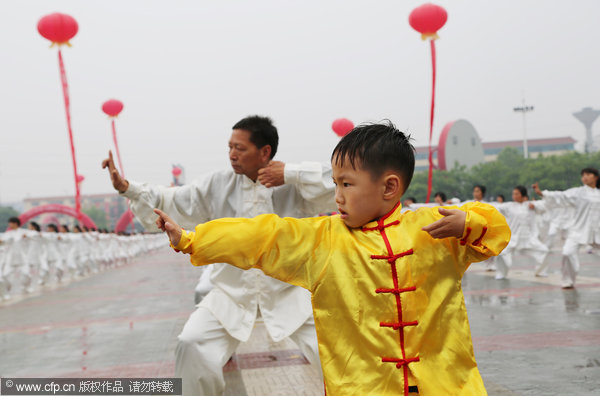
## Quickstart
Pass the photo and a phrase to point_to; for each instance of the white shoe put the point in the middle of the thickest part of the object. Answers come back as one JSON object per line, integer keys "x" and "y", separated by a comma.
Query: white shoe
{"x": 499, "y": 276}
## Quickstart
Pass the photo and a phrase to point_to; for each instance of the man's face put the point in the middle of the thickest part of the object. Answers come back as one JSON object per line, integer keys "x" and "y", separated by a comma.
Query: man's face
{"x": 358, "y": 197}
{"x": 13, "y": 226}
{"x": 245, "y": 157}
{"x": 438, "y": 200}
{"x": 477, "y": 194}
{"x": 589, "y": 179}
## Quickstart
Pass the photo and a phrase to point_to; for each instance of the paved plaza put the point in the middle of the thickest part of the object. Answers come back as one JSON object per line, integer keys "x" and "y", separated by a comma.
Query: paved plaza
{"x": 530, "y": 336}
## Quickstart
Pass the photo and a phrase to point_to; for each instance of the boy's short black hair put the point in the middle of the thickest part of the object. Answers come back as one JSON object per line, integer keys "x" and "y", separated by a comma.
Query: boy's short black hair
{"x": 15, "y": 220}
{"x": 377, "y": 148}
{"x": 35, "y": 225}
{"x": 52, "y": 227}
{"x": 441, "y": 195}
{"x": 262, "y": 131}
{"x": 522, "y": 190}
{"x": 594, "y": 172}
{"x": 481, "y": 188}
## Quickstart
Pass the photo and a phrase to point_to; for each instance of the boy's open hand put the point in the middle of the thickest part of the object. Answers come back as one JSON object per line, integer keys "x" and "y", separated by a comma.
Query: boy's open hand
{"x": 165, "y": 223}
{"x": 272, "y": 174}
{"x": 451, "y": 225}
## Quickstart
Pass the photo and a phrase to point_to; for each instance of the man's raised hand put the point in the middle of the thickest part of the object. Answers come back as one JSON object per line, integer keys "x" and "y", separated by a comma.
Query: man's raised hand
{"x": 272, "y": 174}
{"x": 120, "y": 184}
{"x": 536, "y": 188}
{"x": 166, "y": 224}
{"x": 451, "y": 225}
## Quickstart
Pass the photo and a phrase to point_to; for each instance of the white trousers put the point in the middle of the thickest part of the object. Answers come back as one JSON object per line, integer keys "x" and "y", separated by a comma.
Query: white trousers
{"x": 204, "y": 347}
{"x": 505, "y": 259}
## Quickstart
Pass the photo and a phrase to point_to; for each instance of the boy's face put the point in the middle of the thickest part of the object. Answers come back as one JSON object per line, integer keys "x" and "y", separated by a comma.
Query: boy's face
{"x": 438, "y": 200}
{"x": 589, "y": 179}
{"x": 477, "y": 194}
{"x": 13, "y": 226}
{"x": 359, "y": 198}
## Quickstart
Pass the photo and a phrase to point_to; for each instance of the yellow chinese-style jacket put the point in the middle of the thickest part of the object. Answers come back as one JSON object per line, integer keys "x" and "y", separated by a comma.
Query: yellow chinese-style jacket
{"x": 387, "y": 298}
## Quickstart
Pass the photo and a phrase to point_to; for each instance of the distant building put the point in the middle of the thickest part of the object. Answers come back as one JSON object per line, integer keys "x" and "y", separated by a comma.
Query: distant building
{"x": 545, "y": 147}
{"x": 111, "y": 204}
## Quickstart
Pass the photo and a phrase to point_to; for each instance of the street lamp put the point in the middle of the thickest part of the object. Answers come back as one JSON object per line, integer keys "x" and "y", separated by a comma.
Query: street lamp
{"x": 524, "y": 109}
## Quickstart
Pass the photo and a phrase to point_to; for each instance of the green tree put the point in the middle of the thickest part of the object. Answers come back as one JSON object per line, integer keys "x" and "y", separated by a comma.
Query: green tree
{"x": 509, "y": 170}
{"x": 6, "y": 212}
{"x": 98, "y": 215}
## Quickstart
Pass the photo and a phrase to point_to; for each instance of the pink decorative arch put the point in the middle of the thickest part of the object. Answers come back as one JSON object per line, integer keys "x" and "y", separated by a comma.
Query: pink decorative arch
{"x": 442, "y": 146}
{"x": 56, "y": 208}
{"x": 125, "y": 219}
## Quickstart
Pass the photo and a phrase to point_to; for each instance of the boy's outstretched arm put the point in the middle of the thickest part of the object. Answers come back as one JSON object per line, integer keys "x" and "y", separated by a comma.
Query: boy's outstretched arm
{"x": 451, "y": 225}
{"x": 474, "y": 232}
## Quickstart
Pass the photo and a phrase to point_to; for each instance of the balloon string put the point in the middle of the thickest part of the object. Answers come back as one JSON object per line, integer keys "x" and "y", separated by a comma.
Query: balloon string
{"x": 65, "y": 87}
{"x": 430, "y": 177}
{"x": 114, "y": 133}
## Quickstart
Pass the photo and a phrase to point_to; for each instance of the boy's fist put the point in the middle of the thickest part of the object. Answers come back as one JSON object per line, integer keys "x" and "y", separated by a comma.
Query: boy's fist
{"x": 166, "y": 224}
{"x": 451, "y": 225}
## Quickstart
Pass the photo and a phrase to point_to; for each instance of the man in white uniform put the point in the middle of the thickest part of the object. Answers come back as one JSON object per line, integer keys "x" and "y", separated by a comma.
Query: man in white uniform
{"x": 585, "y": 227}
{"x": 226, "y": 316}
{"x": 521, "y": 217}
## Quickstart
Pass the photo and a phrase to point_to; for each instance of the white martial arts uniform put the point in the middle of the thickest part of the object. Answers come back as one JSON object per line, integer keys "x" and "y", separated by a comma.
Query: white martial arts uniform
{"x": 226, "y": 316}
{"x": 584, "y": 229}
{"x": 524, "y": 235}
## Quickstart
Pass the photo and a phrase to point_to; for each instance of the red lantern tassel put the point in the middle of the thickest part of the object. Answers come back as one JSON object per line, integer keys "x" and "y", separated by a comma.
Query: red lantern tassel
{"x": 65, "y": 86}
{"x": 430, "y": 177}
{"x": 114, "y": 133}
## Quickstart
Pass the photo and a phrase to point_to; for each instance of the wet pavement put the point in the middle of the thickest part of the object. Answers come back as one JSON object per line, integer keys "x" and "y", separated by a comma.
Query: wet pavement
{"x": 530, "y": 336}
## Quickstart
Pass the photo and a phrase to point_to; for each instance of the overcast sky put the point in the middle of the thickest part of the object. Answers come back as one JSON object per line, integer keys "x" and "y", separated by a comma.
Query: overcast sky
{"x": 188, "y": 70}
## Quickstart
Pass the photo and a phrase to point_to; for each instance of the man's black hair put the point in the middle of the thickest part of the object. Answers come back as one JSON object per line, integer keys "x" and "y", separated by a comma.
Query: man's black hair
{"x": 522, "y": 190}
{"x": 594, "y": 172}
{"x": 481, "y": 188}
{"x": 262, "y": 131}
{"x": 441, "y": 195}
{"x": 35, "y": 225}
{"x": 15, "y": 220}
{"x": 377, "y": 148}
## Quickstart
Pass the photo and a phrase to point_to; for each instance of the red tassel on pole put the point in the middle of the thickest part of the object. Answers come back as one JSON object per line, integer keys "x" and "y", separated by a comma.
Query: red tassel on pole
{"x": 65, "y": 86}
{"x": 430, "y": 177}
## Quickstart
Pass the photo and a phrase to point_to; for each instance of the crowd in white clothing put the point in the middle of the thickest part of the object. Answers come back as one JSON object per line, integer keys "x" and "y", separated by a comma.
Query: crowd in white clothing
{"x": 572, "y": 216}
{"x": 28, "y": 255}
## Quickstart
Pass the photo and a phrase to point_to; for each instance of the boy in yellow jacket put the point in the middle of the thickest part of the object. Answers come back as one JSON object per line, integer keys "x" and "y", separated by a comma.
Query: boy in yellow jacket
{"x": 386, "y": 287}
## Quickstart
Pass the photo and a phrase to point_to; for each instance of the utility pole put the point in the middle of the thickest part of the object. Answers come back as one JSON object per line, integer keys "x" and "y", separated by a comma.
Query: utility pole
{"x": 524, "y": 109}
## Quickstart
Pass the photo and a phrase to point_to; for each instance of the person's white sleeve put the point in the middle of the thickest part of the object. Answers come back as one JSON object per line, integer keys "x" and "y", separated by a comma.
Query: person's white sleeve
{"x": 562, "y": 199}
{"x": 314, "y": 183}
{"x": 539, "y": 206}
{"x": 188, "y": 205}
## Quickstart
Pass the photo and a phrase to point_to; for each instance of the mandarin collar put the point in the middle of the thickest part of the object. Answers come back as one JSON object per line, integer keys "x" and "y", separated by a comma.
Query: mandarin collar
{"x": 388, "y": 219}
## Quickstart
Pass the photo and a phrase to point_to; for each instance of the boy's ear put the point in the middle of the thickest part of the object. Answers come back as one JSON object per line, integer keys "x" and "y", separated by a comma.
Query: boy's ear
{"x": 392, "y": 187}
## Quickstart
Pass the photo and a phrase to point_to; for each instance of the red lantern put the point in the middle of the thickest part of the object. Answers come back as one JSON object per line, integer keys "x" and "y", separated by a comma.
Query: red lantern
{"x": 176, "y": 171}
{"x": 427, "y": 20}
{"x": 342, "y": 126}
{"x": 58, "y": 28}
{"x": 112, "y": 107}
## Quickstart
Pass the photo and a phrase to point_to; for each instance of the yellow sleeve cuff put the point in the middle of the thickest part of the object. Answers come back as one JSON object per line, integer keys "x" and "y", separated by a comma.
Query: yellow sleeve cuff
{"x": 185, "y": 243}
